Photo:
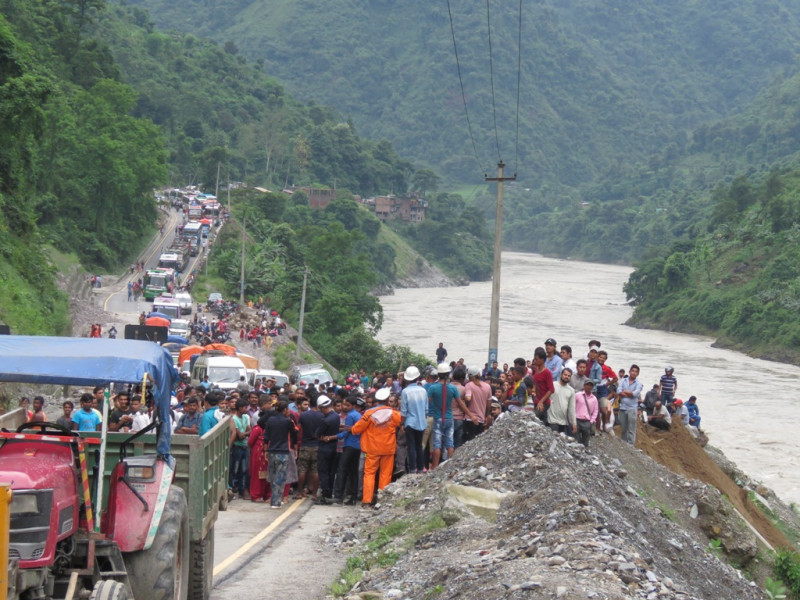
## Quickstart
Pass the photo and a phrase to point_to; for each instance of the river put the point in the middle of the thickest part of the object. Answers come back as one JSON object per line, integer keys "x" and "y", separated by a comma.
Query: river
{"x": 748, "y": 405}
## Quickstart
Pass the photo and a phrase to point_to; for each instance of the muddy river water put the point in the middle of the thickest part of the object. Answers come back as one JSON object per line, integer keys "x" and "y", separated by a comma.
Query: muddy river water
{"x": 750, "y": 407}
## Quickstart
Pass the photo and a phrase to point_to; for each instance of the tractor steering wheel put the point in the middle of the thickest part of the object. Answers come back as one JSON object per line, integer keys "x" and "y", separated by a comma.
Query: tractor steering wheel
{"x": 45, "y": 426}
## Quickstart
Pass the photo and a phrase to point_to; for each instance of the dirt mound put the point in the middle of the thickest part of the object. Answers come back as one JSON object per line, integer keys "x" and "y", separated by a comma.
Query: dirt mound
{"x": 523, "y": 512}
{"x": 677, "y": 450}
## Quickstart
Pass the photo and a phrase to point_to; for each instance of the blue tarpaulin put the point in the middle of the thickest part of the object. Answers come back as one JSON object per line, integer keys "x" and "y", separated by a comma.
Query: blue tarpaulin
{"x": 89, "y": 362}
{"x": 159, "y": 314}
{"x": 177, "y": 339}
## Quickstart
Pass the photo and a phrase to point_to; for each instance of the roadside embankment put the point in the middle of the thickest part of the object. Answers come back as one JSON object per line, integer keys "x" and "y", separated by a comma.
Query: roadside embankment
{"x": 564, "y": 523}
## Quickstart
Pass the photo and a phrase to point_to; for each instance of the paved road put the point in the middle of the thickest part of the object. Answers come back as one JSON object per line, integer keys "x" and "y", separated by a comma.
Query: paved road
{"x": 263, "y": 553}
{"x": 258, "y": 552}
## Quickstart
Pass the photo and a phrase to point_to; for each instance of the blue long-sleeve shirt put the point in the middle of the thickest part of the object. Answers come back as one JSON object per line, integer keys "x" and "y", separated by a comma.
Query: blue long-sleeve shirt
{"x": 351, "y": 440}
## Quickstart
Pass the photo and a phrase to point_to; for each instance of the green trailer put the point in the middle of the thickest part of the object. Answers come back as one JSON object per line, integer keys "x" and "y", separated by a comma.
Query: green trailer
{"x": 201, "y": 471}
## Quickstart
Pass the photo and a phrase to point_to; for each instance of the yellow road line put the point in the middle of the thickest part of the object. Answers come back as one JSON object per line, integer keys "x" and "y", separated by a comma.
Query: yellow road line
{"x": 249, "y": 545}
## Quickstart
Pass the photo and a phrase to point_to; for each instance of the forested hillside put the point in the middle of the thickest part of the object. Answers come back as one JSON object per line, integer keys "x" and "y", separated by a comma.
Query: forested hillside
{"x": 99, "y": 108}
{"x": 630, "y": 112}
{"x": 741, "y": 280}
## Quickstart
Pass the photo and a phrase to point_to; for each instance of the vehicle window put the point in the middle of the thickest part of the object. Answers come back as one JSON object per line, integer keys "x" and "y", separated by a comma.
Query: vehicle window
{"x": 224, "y": 374}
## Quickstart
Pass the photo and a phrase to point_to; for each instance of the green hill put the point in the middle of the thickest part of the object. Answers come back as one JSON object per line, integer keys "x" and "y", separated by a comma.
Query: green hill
{"x": 741, "y": 280}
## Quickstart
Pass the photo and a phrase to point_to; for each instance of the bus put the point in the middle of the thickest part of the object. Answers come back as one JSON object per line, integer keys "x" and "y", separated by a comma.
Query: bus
{"x": 191, "y": 232}
{"x": 157, "y": 282}
{"x": 195, "y": 211}
{"x": 167, "y": 305}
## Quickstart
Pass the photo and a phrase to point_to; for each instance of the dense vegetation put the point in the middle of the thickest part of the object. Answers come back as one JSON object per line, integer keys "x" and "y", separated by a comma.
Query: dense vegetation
{"x": 740, "y": 279}
{"x": 98, "y": 108}
{"x": 630, "y": 114}
{"x": 345, "y": 260}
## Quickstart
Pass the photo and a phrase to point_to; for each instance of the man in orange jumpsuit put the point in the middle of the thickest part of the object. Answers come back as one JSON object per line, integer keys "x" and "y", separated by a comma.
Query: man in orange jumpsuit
{"x": 378, "y": 430}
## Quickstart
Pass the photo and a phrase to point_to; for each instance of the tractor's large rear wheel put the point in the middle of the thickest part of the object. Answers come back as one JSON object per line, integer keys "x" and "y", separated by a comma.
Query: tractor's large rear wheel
{"x": 162, "y": 571}
{"x": 110, "y": 590}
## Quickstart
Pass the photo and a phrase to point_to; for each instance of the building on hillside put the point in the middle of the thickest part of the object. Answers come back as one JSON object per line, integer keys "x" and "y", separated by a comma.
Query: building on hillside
{"x": 409, "y": 209}
{"x": 317, "y": 197}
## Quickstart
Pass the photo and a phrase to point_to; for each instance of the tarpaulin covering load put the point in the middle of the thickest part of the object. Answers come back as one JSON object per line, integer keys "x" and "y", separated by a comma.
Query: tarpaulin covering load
{"x": 89, "y": 362}
{"x": 188, "y": 352}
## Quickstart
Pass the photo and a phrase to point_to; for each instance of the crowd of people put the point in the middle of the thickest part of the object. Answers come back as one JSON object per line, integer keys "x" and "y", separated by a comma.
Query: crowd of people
{"x": 338, "y": 443}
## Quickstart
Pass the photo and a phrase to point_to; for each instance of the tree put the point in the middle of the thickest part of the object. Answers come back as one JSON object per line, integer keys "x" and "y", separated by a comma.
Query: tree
{"x": 425, "y": 180}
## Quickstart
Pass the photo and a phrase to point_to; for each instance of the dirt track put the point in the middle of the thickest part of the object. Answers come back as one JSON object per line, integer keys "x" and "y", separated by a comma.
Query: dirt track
{"x": 677, "y": 450}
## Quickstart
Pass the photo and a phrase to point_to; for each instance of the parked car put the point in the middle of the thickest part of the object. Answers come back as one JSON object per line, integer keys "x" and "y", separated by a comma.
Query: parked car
{"x": 309, "y": 373}
{"x": 279, "y": 376}
{"x": 185, "y": 299}
{"x": 213, "y": 298}
{"x": 179, "y": 327}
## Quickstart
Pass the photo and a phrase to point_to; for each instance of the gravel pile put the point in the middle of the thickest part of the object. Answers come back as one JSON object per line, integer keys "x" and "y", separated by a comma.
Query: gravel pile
{"x": 569, "y": 525}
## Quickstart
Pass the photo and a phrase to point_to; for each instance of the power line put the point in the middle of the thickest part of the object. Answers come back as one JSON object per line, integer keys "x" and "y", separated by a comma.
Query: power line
{"x": 519, "y": 77}
{"x": 491, "y": 78}
{"x": 463, "y": 95}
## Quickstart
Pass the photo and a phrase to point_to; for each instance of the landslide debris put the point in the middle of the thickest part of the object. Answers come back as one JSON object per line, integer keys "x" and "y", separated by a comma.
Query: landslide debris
{"x": 552, "y": 521}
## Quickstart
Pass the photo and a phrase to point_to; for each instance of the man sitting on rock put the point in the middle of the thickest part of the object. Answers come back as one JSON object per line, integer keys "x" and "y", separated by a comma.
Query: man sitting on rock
{"x": 660, "y": 418}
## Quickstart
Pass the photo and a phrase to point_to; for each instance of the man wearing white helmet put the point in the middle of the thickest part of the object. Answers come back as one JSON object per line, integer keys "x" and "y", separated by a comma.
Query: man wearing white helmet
{"x": 378, "y": 431}
{"x": 413, "y": 407}
{"x": 441, "y": 396}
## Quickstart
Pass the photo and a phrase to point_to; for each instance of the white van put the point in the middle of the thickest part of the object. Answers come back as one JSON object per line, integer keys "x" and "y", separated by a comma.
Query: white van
{"x": 279, "y": 376}
{"x": 223, "y": 371}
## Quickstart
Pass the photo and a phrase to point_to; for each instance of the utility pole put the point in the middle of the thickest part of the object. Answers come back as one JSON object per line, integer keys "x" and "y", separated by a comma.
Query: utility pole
{"x": 241, "y": 287}
{"x": 302, "y": 311}
{"x": 216, "y": 189}
{"x": 494, "y": 321}
{"x": 229, "y": 196}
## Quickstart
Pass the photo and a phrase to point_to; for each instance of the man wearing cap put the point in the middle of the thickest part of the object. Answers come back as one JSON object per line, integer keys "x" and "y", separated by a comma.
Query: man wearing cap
{"x": 413, "y": 408}
{"x": 378, "y": 431}
{"x": 669, "y": 386}
{"x": 681, "y": 411}
{"x": 586, "y": 411}
{"x": 327, "y": 433}
{"x": 441, "y": 396}
{"x": 553, "y": 361}
{"x": 477, "y": 397}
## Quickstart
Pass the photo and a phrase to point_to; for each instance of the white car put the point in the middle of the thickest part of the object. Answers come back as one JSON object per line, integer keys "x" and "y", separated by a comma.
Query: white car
{"x": 185, "y": 299}
{"x": 179, "y": 327}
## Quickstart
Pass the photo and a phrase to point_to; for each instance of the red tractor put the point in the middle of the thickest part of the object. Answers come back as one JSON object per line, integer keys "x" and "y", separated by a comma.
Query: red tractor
{"x": 137, "y": 547}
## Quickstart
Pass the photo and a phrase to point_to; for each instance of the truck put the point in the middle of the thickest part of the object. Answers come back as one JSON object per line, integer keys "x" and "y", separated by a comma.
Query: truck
{"x": 157, "y": 282}
{"x": 176, "y": 256}
{"x": 192, "y": 234}
{"x": 106, "y": 515}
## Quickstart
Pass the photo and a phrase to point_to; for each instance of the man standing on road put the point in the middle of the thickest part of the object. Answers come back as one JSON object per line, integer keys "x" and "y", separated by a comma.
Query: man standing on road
{"x": 378, "y": 431}
{"x": 307, "y": 477}
{"x": 413, "y": 408}
{"x": 327, "y": 434}
{"x": 630, "y": 391}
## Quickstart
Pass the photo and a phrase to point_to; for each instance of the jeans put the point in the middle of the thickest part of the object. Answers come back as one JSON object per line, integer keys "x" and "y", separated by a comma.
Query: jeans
{"x": 326, "y": 467}
{"x": 471, "y": 430}
{"x": 458, "y": 432}
{"x": 416, "y": 457}
{"x": 347, "y": 474}
{"x": 628, "y": 422}
{"x": 443, "y": 428}
{"x": 239, "y": 468}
